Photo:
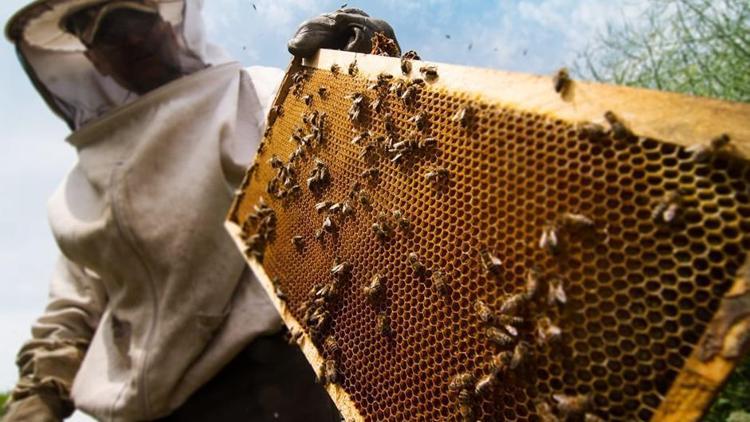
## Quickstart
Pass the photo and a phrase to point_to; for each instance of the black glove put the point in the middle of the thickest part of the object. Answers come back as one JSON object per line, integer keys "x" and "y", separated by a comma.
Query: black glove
{"x": 345, "y": 29}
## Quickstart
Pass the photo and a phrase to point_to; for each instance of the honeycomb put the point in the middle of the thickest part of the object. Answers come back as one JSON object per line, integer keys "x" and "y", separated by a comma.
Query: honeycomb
{"x": 638, "y": 289}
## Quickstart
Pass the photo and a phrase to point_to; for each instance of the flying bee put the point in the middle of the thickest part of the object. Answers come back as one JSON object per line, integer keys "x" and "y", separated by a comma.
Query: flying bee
{"x": 667, "y": 209}
{"x": 556, "y": 293}
{"x": 701, "y": 152}
{"x": 490, "y": 262}
{"x": 462, "y": 381}
{"x": 307, "y": 99}
{"x": 420, "y": 120}
{"x": 562, "y": 81}
{"x": 335, "y": 69}
{"x": 440, "y": 282}
{"x": 430, "y": 73}
{"x": 485, "y": 384}
{"x": 353, "y": 69}
{"x": 322, "y": 206}
{"x": 576, "y": 222}
{"x": 499, "y": 337}
{"x": 415, "y": 264}
{"x": 374, "y": 290}
{"x": 437, "y": 175}
{"x": 546, "y": 332}
{"x": 384, "y": 325}
{"x": 618, "y": 127}
{"x": 570, "y": 407}
{"x": 514, "y": 304}
{"x": 298, "y": 242}
{"x": 549, "y": 240}
{"x": 465, "y": 116}
{"x": 484, "y": 312}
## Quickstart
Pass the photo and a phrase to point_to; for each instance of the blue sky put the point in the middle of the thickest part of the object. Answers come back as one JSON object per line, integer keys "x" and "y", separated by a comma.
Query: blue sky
{"x": 535, "y": 36}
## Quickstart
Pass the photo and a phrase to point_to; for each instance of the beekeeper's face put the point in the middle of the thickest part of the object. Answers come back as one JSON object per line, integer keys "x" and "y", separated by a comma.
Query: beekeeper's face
{"x": 136, "y": 47}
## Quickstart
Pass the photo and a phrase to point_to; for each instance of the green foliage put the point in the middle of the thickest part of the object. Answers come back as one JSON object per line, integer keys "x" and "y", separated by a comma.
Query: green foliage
{"x": 734, "y": 398}
{"x": 3, "y": 400}
{"x": 699, "y": 47}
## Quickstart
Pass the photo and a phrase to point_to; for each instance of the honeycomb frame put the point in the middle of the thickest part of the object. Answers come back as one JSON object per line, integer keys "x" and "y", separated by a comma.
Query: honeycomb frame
{"x": 680, "y": 383}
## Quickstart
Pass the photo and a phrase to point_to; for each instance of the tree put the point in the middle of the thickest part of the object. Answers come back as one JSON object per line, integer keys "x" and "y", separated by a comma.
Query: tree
{"x": 699, "y": 47}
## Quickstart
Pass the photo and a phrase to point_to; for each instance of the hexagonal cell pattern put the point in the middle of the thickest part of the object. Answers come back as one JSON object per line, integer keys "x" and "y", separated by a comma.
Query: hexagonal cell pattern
{"x": 640, "y": 291}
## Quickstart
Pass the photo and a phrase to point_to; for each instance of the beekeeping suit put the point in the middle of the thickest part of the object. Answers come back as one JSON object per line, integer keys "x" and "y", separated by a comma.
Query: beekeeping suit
{"x": 150, "y": 298}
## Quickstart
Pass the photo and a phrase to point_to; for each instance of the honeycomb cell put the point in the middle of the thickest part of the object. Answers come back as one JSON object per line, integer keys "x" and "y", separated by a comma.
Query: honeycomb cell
{"x": 639, "y": 291}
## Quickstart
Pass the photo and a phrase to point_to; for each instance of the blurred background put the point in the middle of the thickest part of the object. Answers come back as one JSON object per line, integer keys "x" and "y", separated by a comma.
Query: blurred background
{"x": 697, "y": 47}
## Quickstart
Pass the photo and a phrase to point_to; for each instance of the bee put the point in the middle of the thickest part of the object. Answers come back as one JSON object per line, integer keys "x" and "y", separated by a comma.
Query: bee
{"x": 430, "y": 73}
{"x": 420, "y": 120}
{"x": 510, "y": 323}
{"x": 362, "y": 136}
{"x": 462, "y": 381}
{"x": 500, "y": 362}
{"x": 353, "y": 69}
{"x": 364, "y": 198}
{"x": 465, "y": 116}
{"x": 562, "y": 81}
{"x": 485, "y": 384}
{"x": 499, "y": 337}
{"x": 341, "y": 269}
{"x": 374, "y": 290}
{"x": 411, "y": 55}
{"x": 356, "y": 107}
{"x": 666, "y": 210}
{"x": 619, "y": 129}
{"x": 402, "y": 222}
{"x": 520, "y": 355}
{"x": 490, "y": 262}
{"x": 335, "y": 208}
{"x": 295, "y": 336}
{"x": 331, "y": 345}
{"x": 437, "y": 175}
{"x": 354, "y": 190}
{"x": 328, "y": 225}
{"x": 298, "y": 242}
{"x": 409, "y": 95}
{"x": 319, "y": 234}
{"x": 549, "y": 240}
{"x": 322, "y": 91}
{"x": 335, "y": 69}
{"x": 266, "y": 134}
{"x": 593, "y": 131}
{"x": 331, "y": 373}
{"x": 428, "y": 143}
{"x": 484, "y": 312}
{"x": 368, "y": 152}
{"x": 384, "y": 325}
{"x": 405, "y": 66}
{"x": 307, "y": 99}
{"x": 415, "y": 264}
{"x": 514, "y": 304}
{"x": 279, "y": 293}
{"x": 556, "y": 293}
{"x": 536, "y": 285}
{"x": 570, "y": 407}
{"x": 577, "y": 222}
{"x": 322, "y": 206}
{"x": 346, "y": 209}
{"x": 701, "y": 152}
{"x": 377, "y": 104}
{"x": 275, "y": 162}
{"x": 439, "y": 281}
{"x": 590, "y": 417}
{"x": 546, "y": 332}
{"x": 465, "y": 406}
{"x": 544, "y": 411}
{"x": 380, "y": 230}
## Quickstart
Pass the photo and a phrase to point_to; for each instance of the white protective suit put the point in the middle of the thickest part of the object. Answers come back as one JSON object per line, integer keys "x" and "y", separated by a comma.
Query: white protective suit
{"x": 149, "y": 285}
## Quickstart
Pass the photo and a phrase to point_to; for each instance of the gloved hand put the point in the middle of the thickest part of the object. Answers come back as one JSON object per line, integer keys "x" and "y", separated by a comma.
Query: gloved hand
{"x": 40, "y": 407}
{"x": 345, "y": 29}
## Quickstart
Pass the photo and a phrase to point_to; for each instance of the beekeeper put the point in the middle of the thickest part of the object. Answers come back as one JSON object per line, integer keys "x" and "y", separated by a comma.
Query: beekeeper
{"x": 152, "y": 311}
